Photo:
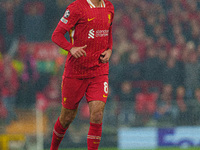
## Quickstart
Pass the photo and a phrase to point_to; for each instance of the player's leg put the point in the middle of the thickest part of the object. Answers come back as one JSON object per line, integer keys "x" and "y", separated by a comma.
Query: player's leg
{"x": 95, "y": 130}
{"x": 67, "y": 116}
{"x": 96, "y": 111}
{"x": 72, "y": 92}
{"x": 65, "y": 119}
{"x": 96, "y": 95}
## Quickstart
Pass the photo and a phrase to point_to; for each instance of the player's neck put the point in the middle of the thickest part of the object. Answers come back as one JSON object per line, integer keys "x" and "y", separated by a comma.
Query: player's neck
{"x": 97, "y": 3}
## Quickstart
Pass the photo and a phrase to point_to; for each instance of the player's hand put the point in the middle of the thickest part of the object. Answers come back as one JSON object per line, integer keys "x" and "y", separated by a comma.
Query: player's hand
{"x": 78, "y": 51}
{"x": 105, "y": 56}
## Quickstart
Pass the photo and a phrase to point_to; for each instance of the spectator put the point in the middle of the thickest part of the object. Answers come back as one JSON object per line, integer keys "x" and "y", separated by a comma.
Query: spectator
{"x": 171, "y": 73}
{"x": 194, "y": 108}
{"x": 162, "y": 55}
{"x": 195, "y": 32}
{"x": 192, "y": 72}
{"x": 165, "y": 108}
{"x": 115, "y": 72}
{"x": 149, "y": 25}
{"x": 132, "y": 71}
{"x": 183, "y": 116}
{"x": 175, "y": 53}
{"x": 163, "y": 43}
{"x": 152, "y": 66}
{"x": 122, "y": 44}
{"x": 9, "y": 87}
{"x": 126, "y": 98}
{"x": 139, "y": 39}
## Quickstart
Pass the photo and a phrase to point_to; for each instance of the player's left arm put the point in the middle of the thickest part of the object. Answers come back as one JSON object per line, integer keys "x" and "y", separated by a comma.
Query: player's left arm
{"x": 105, "y": 56}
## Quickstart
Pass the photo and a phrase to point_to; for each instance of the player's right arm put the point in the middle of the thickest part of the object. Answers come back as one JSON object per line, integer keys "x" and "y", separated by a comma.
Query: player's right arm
{"x": 78, "y": 51}
{"x": 58, "y": 37}
{"x": 69, "y": 19}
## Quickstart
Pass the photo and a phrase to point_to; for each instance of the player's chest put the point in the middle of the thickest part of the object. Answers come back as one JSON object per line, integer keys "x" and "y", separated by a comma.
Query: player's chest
{"x": 96, "y": 17}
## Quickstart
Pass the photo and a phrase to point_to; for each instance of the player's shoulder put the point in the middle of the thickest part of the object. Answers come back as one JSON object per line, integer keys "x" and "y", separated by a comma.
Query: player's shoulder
{"x": 109, "y": 4}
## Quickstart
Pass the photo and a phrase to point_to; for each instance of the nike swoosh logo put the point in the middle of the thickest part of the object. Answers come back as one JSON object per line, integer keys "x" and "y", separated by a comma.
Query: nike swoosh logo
{"x": 104, "y": 95}
{"x": 91, "y": 19}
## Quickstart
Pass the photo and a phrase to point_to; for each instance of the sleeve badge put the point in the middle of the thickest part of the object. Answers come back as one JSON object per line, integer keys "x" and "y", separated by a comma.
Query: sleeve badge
{"x": 109, "y": 18}
{"x": 64, "y": 20}
{"x": 67, "y": 13}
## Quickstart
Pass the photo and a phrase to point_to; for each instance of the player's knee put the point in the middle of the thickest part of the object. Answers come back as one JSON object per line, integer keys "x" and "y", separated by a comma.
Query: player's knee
{"x": 66, "y": 120}
{"x": 96, "y": 117}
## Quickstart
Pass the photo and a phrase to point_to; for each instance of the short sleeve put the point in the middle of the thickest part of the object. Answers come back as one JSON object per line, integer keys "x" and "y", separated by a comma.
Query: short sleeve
{"x": 70, "y": 17}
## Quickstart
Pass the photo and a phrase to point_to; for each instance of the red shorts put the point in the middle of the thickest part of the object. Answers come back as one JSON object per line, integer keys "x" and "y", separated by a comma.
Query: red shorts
{"x": 73, "y": 90}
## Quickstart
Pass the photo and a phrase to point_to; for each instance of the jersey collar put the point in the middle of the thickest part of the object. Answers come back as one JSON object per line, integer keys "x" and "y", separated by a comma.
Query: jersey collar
{"x": 93, "y": 6}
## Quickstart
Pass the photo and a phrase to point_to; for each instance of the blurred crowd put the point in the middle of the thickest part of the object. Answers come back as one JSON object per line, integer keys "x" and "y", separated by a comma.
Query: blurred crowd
{"x": 154, "y": 68}
{"x": 157, "y": 41}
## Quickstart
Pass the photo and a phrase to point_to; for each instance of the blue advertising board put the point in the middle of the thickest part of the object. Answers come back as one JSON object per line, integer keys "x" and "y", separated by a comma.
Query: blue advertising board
{"x": 151, "y": 138}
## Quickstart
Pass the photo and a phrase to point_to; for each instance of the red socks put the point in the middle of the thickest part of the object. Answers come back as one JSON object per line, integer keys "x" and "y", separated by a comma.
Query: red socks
{"x": 58, "y": 134}
{"x": 94, "y": 136}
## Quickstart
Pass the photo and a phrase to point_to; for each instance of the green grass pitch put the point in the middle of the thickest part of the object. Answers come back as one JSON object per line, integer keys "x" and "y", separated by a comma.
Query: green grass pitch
{"x": 135, "y": 149}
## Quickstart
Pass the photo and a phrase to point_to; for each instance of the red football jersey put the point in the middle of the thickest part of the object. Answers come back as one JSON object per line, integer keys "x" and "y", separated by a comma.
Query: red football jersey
{"x": 91, "y": 26}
